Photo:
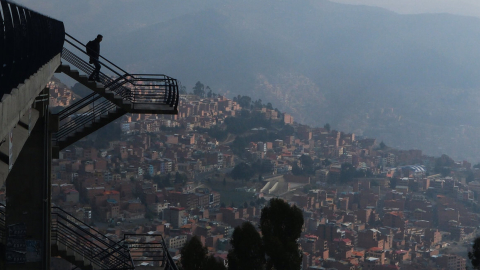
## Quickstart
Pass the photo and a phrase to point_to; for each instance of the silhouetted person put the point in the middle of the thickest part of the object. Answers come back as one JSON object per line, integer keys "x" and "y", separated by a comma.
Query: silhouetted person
{"x": 93, "y": 50}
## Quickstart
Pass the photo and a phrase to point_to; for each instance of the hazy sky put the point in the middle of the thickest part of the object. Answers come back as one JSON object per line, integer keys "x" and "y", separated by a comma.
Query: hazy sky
{"x": 461, "y": 7}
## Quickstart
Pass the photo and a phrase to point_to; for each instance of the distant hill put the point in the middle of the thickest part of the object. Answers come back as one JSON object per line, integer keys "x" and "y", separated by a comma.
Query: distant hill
{"x": 410, "y": 80}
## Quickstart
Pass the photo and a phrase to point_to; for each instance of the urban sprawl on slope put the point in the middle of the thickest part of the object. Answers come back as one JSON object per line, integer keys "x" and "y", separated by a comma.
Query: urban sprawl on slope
{"x": 218, "y": 162}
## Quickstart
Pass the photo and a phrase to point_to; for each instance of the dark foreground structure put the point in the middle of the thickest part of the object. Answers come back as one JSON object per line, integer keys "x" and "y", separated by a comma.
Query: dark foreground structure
{"x": 32, "y": 48}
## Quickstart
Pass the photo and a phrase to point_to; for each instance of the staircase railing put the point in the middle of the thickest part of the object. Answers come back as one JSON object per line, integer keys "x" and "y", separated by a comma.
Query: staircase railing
{"x": 140, "y": 89}
{"x": 100, "y": 250}
{"x": 73, "y": 118}
{"x": 87, "y": 242}
{"x": 153, "y": 251}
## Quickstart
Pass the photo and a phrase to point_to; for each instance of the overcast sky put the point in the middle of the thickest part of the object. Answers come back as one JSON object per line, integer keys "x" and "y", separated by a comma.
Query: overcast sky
{"x": 461, "y": 7}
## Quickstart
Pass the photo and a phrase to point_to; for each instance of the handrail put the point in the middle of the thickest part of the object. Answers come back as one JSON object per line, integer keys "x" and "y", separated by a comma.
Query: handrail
{"x": 98, "y": 55}
{"x": 137, "y": 88}
{"x": 140, "y": 91}
{"x": 75, "y": 107}
{"x": 110, "y": 84}
{"x": 171, "y": 263}
{"x": 74, "y": 218}
{"x": 102, "y": 251}
{"x": 67, "y": 231}
{"x": 87, "y": 117}
{"x": 103, "y": 64}
{"x": 161, "y": 247}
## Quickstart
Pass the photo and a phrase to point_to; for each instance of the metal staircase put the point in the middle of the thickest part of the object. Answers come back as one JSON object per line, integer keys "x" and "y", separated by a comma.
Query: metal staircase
{"x": 85, "y": 247}
{"x": 88, "y": 249}
{"x": 115, "y": 95}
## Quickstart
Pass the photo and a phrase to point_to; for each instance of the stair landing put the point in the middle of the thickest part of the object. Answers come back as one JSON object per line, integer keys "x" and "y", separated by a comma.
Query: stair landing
{"x": 150, "y": 108}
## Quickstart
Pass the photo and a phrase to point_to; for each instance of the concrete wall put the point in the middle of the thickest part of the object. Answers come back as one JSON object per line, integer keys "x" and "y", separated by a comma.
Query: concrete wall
{"x": 14, "y": 105}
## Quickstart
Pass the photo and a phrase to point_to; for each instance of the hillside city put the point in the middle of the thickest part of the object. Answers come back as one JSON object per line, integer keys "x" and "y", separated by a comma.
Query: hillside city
{"x": 218, "y": 162}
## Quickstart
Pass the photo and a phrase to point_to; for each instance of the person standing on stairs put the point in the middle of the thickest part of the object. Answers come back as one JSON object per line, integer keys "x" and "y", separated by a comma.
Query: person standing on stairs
{"x": 93, "y": 51}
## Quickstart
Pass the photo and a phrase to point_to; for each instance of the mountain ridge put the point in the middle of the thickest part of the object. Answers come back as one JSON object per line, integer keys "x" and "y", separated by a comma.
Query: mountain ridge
{"x": 321, "y": 61}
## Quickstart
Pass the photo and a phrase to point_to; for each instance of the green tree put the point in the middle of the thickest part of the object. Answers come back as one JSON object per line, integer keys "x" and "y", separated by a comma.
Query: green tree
{"x": 258, "y": 103}
{"x": 224, "y": 181}
{"x": 347, "y": 172}
{"x": 213, "y": 264}
{"x": 261, "y": 201}
{"x": 281, "y": 226}
{"x": 287, "y": 130}
{"x": 242, "y": 171}
{"x": 209, "y": 91}
{"x": 326, "y": 162}
{"x": 327, "y": 126}
{"x": 247, "y": 249}
{"x": 296, "y": 170}
{"x": 474, "y": 255}
{"x": 393, "y": 182}
{"x": 166, "y": 180}
{"x": 238, "y": 145}
{"x": 194, "y": 255}
{"x": 382, "y": 145}
{"x": 244, "y": 101}
{"x": 443, "y": 165}
{"x": 180, "y": 177}
{"x": 199, "y": 89}
{"x": 245, "y": 113}
{"x": 307, "y": 164}
{"x": 149, "y": 215}
{"x": 181, "y": 88}
{"x": 158, "y": 180}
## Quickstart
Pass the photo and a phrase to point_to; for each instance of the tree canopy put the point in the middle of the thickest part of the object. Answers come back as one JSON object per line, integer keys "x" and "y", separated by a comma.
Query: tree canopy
{"x": 194, "y": 255}
{"x": 474, "y": 255}
{"x": 213, "y": 264}
{"x": 382, "y": 145}
{"x": 281, "y": 226}
{"x": 242, "y": 171}
{"x": 247, "y": 249}
{"x": 199, "y": 89}
{"x": 347, "y": 173}
{"x": 244, "y": 101}
{"x": 307, "y": 166}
